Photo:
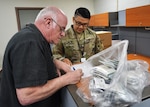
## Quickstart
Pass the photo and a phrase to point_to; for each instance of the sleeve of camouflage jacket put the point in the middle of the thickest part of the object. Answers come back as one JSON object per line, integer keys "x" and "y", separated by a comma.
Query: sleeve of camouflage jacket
{"x": 58, "y": 51}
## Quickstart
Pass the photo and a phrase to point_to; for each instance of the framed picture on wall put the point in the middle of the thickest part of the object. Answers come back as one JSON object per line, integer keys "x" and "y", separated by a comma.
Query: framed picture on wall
{"x": 26, "y": 15}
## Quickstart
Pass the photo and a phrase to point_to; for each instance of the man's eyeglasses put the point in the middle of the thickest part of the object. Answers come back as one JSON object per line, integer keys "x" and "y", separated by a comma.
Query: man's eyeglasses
{"x": 80, "y": 24}
{"x": 62, "y": 29}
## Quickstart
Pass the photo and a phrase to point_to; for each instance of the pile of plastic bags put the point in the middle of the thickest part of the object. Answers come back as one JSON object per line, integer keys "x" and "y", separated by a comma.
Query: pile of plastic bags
{"x": 112, "y": 80}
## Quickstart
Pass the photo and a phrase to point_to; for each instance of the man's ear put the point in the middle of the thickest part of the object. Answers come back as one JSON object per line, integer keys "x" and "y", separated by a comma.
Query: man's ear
{"x": 48, "y": 22}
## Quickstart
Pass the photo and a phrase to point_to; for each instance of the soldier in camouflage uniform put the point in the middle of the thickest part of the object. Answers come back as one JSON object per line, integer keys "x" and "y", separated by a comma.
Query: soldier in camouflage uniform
{"x": 80, "y": 42}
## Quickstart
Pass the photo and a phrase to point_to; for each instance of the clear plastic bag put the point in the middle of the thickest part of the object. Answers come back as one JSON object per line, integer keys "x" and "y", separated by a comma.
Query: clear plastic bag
{"x": 114, "y": 81}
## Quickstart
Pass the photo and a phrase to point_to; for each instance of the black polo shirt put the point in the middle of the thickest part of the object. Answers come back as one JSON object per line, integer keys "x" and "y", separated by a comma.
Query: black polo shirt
{"x": 27, "y": 62}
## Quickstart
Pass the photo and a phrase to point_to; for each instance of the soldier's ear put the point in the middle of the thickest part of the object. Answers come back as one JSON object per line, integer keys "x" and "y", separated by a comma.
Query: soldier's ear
{"x": 72, "y": 19}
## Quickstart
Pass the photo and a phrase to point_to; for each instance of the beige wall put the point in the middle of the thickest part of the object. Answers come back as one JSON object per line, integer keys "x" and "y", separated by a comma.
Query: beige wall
{"x": 8, "y": 21}
{"x": 101, "y": 6}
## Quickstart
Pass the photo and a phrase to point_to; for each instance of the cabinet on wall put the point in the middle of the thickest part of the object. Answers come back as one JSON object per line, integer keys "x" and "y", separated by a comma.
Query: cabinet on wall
{"x": 133, "y": 25}
{"x": 91, "y": 23}
{"x": 138, "y": 16}
{"x": 104, "y": 19}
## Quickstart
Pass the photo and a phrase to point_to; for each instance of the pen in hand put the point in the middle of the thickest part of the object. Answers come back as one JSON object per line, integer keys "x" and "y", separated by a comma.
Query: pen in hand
{"x": 74, "y": 68}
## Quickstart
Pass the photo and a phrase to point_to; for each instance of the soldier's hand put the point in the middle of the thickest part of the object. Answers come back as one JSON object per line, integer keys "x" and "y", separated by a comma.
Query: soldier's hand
{"x": 67, "y": 61}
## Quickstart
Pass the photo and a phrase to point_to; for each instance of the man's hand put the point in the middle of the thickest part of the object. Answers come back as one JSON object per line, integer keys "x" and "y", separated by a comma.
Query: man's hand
{"x": 74, "y": 76}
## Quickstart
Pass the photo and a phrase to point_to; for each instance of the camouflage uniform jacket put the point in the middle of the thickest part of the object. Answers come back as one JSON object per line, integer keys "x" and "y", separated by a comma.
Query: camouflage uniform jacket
{"x": 75, "y": 46}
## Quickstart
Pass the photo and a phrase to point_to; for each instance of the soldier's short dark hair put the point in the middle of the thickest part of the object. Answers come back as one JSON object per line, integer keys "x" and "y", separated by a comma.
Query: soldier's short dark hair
{"x": 83, "y": 12}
